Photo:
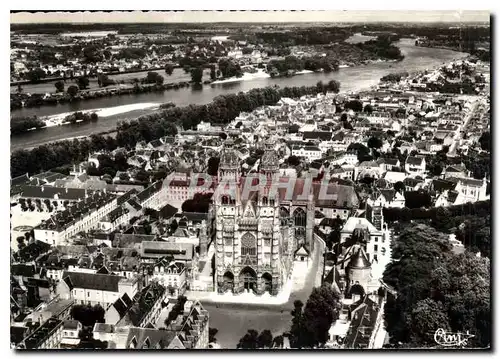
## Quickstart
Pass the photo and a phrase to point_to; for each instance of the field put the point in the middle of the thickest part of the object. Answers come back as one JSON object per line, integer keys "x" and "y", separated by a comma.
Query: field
{"x": 48, "y": 87}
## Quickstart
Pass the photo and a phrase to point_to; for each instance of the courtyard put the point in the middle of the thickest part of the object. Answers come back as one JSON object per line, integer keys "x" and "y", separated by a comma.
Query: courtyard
{"x": 22, "y": 222}
{"x": 234, "y": 319}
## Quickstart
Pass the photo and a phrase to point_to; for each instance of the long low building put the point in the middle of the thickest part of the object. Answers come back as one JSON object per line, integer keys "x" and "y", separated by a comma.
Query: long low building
{"x": 89, "y": 288}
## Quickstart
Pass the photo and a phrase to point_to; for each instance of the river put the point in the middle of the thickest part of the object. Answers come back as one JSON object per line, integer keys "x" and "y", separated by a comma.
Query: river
{"x": 351, "y": 79}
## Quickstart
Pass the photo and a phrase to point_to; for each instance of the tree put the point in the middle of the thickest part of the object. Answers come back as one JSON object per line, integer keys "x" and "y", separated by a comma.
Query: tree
{"x": 355, "y": 105}
{"x": 484, "y": 141}
{"x": 169, "y": 69}
{"x": 154, "y": 78}
{"x": 212, "y": 332}
{"x": 436, "y": 289}
{"x": 435, "y": 169}
{"x": 173, "y": 226}
{"x": 83, "y": 82}
{"x": 293, "y": 160}
{"x": 103, "y": 80}
{"x": 229, "y": 68}
{"x": 213, "y": 166}
{"x": 334, "y": 236}
{"x": 399, "y": 187}
{"x": 197, "y": 75}
{"x": 374, "y": 142}
{"x": 296, "y": 330}
{"x": 442, "y": 219}
{"x": 59, "y": 85}
{"x": 427, "y": 316}
{"x": 249, "y": 340}
{"x": 363, "y": 153}
{"x": 213, "y": 74}
{"x": 20, "y": 242}
{"x": 320, "y": 312}
{"x": 36, "y": 75}
{"x": 278, "y": 341}
{"x": 333, "y": 86}
{"x": 293, "y": 128}
{"x": 72, "y": 90}
{"x": 368, "y": 108}
{"x": 417, "y": 199}
{"x": 265, "y": 339}
{"x": 88, "y": 315}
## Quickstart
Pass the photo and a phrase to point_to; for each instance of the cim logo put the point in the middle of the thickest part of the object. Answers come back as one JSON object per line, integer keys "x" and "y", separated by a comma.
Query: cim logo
{"x": 450, "y": 339}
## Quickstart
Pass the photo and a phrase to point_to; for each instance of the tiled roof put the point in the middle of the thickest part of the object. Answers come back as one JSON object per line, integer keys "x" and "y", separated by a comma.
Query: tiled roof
{"x": 415, "y": 161}
{"x": 23, "y": 270}
{"x": 321, "y": 135}
{"x": 195, "y": 217}
{"x": 125, "y": 197}
{"x": 122, "y": 305}
{"x": 104, "y": 282}
{"x": 440, "y": 185}
{"x": 345, "y": 196}
{"x": 19, "y": 180}
{"x": 362, "y": 324}
{"x": 388, "y": 194}
{"x": 153, "y": 338}
{"x": 49, "y": 192}
{"x": 142, "y": 304}
{"x": 156, "y": 249}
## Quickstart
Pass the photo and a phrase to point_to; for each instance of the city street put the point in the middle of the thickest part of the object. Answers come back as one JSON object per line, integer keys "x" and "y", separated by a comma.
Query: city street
{"x": 458, "y": 134}
{"x": 233, "y": 320}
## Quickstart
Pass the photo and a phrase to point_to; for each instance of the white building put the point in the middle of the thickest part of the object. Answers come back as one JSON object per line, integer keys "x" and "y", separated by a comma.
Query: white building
{"x": 102, "y": 289}
{"x": 311, "y": 153}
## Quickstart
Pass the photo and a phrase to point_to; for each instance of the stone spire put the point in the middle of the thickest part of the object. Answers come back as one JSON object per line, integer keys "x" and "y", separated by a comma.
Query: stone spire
{"x": 203, "y": 238}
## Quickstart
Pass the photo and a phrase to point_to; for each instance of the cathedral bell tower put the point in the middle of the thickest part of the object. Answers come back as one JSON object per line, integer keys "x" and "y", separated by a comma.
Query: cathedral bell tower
{"x": 203, "y": 239}
{"x": 269, "y": 163}
{"x": 229, "y": 165}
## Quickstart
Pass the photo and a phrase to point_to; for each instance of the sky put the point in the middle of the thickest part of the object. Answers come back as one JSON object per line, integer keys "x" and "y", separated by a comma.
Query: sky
{"x": 251, "y": 16}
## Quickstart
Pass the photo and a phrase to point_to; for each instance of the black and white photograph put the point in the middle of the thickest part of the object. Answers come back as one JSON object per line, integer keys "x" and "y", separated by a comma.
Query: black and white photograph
{"x": 250, "y": 180}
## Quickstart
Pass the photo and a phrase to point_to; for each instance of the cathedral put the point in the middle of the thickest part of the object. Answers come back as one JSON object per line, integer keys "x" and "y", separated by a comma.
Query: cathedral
{"x": 257, "y": 234}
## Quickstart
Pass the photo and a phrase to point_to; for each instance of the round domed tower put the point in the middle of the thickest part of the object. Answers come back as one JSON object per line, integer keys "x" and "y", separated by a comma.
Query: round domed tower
{"x": 359, "y": 269}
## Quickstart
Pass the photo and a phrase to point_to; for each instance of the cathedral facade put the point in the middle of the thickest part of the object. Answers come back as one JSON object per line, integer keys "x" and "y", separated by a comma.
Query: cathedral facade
{"x": 258, "y": 232}
{"x": 254, "y": 244}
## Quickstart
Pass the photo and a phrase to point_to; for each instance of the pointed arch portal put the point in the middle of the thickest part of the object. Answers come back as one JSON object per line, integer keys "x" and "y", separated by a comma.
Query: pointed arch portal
{"x": 267, "y": 280}
{"x": 249, "y": 279}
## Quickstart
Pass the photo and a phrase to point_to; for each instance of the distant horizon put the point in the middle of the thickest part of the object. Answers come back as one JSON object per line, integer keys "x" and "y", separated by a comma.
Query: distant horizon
{"x": 240, "y": 16}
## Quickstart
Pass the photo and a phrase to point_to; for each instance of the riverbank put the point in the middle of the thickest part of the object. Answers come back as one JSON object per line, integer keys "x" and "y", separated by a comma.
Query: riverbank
{"x": 352, "y": 79}
{"x": 62, "y": 118}
{"x": 248, "y": 76}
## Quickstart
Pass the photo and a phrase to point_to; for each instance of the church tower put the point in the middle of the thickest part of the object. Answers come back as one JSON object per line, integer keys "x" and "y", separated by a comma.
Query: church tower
{"x": 229, "y": 165}
{"x": 310, "y": 214}
{"x": 227, "y": 206}
{"x": 359, "y": 269}
{"x": 203, "y": 239}
{"x": 269, "y": 163}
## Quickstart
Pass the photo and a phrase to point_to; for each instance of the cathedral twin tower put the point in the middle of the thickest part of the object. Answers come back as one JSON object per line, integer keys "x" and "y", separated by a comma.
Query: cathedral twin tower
{"x": 256, "y": 234}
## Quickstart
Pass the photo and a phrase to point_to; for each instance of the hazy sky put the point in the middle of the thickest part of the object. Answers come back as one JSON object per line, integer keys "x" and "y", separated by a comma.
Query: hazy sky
{"x": 253, "y": 16}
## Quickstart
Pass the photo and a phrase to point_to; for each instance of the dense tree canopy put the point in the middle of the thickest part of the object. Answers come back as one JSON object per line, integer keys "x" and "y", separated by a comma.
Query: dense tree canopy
{"x": 59, "y": 85}
{"x": 197, "y": 75}
{"x": 310, "y": 326}
{"x": 83, "y": 82}
{"x": 436, "y": 288}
